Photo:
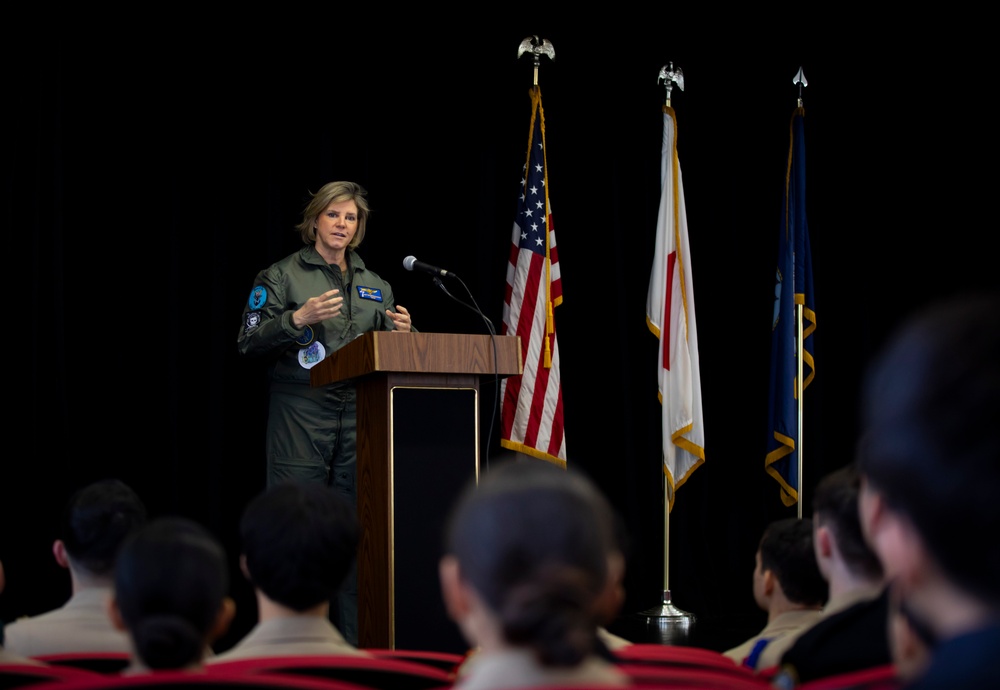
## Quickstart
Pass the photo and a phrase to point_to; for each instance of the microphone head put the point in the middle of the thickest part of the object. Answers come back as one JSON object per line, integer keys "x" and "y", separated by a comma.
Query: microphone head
{"x": 409, "y": 261}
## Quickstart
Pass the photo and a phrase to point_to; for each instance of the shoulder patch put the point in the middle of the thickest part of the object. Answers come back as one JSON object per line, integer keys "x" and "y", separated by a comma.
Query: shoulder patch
{"x": 306, "y": 337}
{"x": 374, "y": 294}
{"x": 253, "y": 320}
{"x": 258, "y": 296}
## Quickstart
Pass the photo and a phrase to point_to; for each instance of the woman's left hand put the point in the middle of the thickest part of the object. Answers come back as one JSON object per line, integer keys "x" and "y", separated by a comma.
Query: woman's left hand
{"x": 400, "y": 318}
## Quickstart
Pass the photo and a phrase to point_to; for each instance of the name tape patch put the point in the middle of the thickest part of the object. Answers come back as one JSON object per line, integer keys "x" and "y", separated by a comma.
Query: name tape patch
{"x": 369, "y": 293}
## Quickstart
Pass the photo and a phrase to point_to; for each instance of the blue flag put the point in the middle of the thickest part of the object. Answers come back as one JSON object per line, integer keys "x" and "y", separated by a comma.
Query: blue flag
{"x": 793, "y": 286}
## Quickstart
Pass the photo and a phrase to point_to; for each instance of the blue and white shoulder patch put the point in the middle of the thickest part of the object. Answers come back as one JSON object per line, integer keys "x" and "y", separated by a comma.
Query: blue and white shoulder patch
{"x": 306, "y": 337}
{"x": 374, "y": 294}
{"x": 258, "y": 296}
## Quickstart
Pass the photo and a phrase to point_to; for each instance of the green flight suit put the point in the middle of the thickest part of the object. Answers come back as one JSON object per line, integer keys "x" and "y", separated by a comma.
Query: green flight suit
{"x": 311, "y": 432}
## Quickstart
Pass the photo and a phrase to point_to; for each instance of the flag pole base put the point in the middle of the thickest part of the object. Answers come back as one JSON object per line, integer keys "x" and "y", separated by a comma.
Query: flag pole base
{"x": 672, "y": 625}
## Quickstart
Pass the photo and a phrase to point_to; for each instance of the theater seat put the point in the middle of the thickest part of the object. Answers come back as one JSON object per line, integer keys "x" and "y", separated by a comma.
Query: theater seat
{"x": 446, "y": 661}
{"x": 665, "y": 676}
{"x": 876, "y": 678}
{"x": 676, "y": 655}
{"x": 385, "y": 674}
{"x": 16, "y": 675}
{"x": 101, "y": 662}
{"x": 196, "y": 680}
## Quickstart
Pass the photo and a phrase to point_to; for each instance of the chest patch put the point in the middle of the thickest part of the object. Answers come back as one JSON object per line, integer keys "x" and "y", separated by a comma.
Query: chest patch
{"x": 258, "y": 296}
{"x": 373, "y": 294}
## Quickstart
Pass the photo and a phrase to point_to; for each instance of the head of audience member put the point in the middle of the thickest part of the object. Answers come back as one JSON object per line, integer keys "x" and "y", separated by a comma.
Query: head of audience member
{"x": 95, "y": 522}
{"x": 170, "y": 593}
{"x": 527, "y": 562}
{"x": 786, "y": 576}
{"x": 910, "y": 642}
{"x": 612, "y": 598}
{"x": 930, "y": 462}
{"x": 5, "y": 658}
{"x": 845, "y": 560}
{"x": 299, "y": 541}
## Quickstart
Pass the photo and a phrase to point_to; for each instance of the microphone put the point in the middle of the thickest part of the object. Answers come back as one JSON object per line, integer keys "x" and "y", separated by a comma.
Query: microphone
{"x": 411, "y": 262}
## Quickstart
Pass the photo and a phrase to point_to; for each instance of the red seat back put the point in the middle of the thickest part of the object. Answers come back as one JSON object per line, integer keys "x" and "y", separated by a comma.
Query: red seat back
{"x": 101, "y": 662}
{"x": 390, "y": 674}
{"x": 197, "y": 680}
{"x": 690, "y": 676}
{"x": 876, "y": 678}
{"x": 446, "y": 661}
{"x": 674, "y": 655}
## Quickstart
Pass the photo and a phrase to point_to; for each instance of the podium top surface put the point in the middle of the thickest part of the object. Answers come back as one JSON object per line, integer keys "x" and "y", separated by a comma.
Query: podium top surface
{"x": 427, "y": 353}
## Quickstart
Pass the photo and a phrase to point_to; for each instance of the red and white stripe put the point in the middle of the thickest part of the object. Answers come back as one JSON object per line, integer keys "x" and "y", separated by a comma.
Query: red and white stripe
{"x": 532, "y": 403}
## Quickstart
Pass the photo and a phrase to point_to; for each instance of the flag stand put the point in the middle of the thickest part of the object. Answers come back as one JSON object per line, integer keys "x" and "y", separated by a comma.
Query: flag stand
{"x": 672, "y": 624}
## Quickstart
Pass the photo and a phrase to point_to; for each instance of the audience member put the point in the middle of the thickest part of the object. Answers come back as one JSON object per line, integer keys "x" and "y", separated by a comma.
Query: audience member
{"x": 526, "y": 565}
{"x": 930, "y": 464}
{"x": 787, "y": 585}
{"x": 7, "y": 657}
{"x": 910, "y": 642}
{"x": 95, "y": 522}
{"x": 170, "y": 589}
{"x": 852, "y": 633}
{"x": 299, "y": 541}
{"x": 610, "y": 602}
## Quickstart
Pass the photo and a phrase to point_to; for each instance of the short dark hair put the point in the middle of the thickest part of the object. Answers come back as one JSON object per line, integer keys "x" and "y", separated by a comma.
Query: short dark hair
{"x": 786, "y": 549}
{"x": 96, "y": 521}
{"x": 931, "y": 443}
{"x": 533, "y": 540}
{"x": 299, "y": 541}
{"x": 170, "y": 583}
{"x": 835, "y": 505}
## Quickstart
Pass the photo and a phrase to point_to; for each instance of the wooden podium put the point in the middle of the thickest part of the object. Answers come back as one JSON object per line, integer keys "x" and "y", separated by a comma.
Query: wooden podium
{"x": 418, "y": 413}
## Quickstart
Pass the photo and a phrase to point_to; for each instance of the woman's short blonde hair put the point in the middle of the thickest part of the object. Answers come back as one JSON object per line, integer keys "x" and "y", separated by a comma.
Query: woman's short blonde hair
{"x": 330, "y": 193}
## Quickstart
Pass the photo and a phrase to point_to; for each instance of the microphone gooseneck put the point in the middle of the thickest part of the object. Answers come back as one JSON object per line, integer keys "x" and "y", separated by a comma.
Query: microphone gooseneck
{"x": 411, "y": 263}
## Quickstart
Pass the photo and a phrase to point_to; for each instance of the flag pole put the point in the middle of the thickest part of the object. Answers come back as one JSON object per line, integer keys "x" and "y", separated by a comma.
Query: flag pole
{"x": 799, "y": 342}
{"x": 673, "y": 624}
{"x": 800, "y": 81}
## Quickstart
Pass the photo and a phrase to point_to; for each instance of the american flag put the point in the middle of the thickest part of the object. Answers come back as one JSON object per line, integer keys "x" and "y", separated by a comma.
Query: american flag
{"x": 532, "y": 413}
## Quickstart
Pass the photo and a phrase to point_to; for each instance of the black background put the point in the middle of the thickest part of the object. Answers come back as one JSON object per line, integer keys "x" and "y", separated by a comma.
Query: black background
{"x": 153, "y": 164}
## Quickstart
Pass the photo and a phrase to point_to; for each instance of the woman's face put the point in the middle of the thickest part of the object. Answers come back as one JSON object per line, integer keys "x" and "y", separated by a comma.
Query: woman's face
{"x": 335, "y": 227}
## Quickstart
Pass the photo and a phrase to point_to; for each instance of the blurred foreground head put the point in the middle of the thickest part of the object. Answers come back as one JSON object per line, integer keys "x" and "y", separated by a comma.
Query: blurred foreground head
{"x": 532, "y": 543}
{"x": 930, "y": 454}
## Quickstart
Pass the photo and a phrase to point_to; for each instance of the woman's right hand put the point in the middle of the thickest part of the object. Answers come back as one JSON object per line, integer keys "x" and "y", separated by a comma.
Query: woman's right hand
{"x": 317, "y": 309}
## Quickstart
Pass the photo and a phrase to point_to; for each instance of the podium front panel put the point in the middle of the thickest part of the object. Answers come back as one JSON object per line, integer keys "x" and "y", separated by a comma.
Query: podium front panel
{"x": 433, "y": 454}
